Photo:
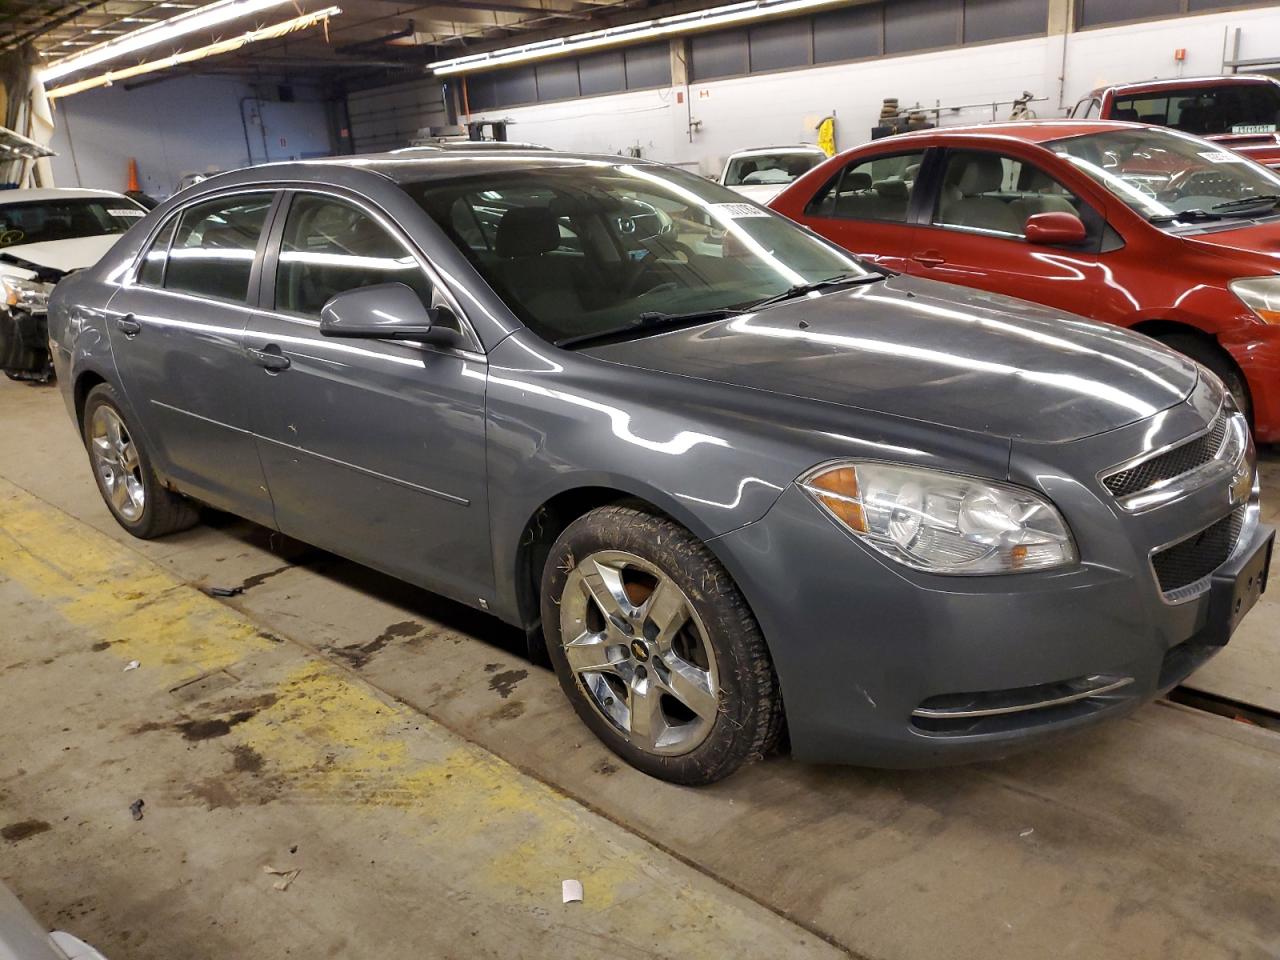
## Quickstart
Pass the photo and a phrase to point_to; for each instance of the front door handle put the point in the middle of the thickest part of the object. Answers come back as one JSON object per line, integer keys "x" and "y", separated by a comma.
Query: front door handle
{"x": 128, "y": 325}
{"x": 270, "y": 358}
{"x": 930, "y": 258}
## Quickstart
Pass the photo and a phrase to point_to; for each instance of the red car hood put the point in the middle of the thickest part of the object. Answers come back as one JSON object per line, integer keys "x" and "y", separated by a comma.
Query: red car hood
{"x": 1254, "y": 246}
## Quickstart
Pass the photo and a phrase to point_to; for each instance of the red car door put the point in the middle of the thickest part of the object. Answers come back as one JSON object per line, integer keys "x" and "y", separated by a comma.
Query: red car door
{"x": 975, "y": 234}
{"x": 865, "y": 207}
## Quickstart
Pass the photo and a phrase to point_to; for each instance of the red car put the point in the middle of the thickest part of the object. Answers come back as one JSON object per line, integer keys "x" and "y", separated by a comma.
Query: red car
{"x": 1241, "y": 111}
{"x": 1139, "y": 226}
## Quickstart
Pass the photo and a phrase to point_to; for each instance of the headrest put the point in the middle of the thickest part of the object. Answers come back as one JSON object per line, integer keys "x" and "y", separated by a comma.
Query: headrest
{"x": 892, "y": 189}
{"x": 1123, "y": 114}
{"x": 1035, "y": 180}
{"x": 856, "y": 181}
{"x": 912, "y": 172}
{"x": 983, "y": 173}
{"x": 527, "y": 232}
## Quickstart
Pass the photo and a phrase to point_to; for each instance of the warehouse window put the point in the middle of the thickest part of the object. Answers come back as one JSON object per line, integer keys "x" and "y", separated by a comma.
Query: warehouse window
{"x": 921, "y": 25}
{"x": 1096, "y": 13}
{"x": 780, "y": 44}
{"x": 602, "y": 73}
{"x": 848, "y": 34}
{"x": 998, "y": 19}
{"x": 634, "y": 68}
{"x": 715, "y": 55}
{"x": 557, "y": 79}
{"x": 648, "y": 66}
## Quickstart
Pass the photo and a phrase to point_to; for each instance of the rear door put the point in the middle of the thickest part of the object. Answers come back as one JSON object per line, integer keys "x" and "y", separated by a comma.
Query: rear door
{"x": 373, "y": 449}
{"x": 177, "y": 336}
{"x": 974, "y": 234}
{"x": 868, "y": 205}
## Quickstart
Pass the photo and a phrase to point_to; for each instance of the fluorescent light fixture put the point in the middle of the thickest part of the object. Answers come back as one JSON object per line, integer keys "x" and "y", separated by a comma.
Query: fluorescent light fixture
{"x": 187, "y": 56}
{"x": 630, "y": 33}
{"x": 201, "y": 18}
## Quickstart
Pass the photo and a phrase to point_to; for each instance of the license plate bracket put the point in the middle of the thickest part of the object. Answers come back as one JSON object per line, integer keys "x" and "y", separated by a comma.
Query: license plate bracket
{"x": 1233, "y": 592}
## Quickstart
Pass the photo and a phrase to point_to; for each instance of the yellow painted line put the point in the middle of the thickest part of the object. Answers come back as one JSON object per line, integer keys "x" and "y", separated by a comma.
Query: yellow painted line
{"x": 325, "y": 737}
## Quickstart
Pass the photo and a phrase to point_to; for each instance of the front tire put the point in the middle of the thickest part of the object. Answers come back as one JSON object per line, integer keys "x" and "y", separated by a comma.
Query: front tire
{"x": 1219, "y": 363}
{"x": 129, "y": 486}
{"x": 656, "y": 648}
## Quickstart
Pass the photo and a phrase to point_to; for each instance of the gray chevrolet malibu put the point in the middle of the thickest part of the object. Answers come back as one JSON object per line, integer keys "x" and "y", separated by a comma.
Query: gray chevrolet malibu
{"x": 733, "y": 479}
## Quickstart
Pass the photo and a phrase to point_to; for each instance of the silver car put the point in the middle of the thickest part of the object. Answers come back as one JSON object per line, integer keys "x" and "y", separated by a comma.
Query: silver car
{"x": 725, "y": 473}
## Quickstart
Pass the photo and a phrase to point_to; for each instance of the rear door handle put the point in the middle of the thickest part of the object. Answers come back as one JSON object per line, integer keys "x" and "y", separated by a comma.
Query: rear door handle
{"x": 128, "y": 325}
{"x": 270, "y": 358}
{"x": 930, "y": 258}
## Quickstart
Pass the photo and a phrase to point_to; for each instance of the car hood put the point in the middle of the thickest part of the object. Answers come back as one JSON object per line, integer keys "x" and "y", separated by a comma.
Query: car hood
{"x": 759, "y": 192}
{"x": 61, "y": 256}
{"x": 933, "y": 352}
{"x": 1252, "y": 246}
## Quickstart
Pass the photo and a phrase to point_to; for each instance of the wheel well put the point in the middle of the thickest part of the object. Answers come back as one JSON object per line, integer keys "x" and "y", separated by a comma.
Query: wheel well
{"x": 1159, "y": 329}
{"x": 541, "y": 533}
{"x": 86, "y": 382}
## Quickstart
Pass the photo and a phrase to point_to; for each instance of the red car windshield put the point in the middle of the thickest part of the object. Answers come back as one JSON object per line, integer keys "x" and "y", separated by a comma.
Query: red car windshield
{"x": 1206, "y": 111}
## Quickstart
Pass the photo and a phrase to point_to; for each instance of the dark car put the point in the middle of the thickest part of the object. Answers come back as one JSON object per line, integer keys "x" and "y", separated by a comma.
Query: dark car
{"x": 726, "y": 471}
{"x": 1240, "y": 111}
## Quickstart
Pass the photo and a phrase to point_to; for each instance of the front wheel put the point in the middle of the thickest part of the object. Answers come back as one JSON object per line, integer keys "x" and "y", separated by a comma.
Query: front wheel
{"x": 656, "y": 648}
{"x": 1210, "y": 355}
{"x": 132, "y": 491}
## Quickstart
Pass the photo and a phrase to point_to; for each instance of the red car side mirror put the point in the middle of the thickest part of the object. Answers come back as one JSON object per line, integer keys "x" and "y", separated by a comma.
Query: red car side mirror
{"x": 1055, "y": 229}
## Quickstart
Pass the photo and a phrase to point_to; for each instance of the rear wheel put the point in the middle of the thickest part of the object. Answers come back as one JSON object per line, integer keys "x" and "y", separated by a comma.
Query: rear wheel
{"x": 655, "y": 647}
{"x": 129, "y": 487}
{"x": 1216, "y": 359}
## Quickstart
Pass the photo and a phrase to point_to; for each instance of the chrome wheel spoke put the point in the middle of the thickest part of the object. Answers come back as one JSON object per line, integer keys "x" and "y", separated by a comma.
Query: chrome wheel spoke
{"x": 692, "y": 686}
{"x": 589, "y": 653}
{"x": 129, "y": 458}
{"x": 604, "y": 582}
{"x": 119, "y": 493}
{"x": 664, "y": 613}
{"x": 645, "y": 707}
{"x": 102, "y": 447}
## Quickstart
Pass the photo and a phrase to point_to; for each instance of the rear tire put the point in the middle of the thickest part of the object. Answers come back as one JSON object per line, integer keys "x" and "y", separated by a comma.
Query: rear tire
{"x": 1218, "y": 363}
{"x": 684, "y": 688}
{"x": 129, "y": 486}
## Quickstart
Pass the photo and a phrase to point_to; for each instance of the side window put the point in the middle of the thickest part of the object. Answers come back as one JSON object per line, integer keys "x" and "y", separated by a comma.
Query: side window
{"x": 330, "y": 246}
{"x": 991, "y": 193}
{"x": 214, "y": 247}
{"x": 152, "y": 272}
{"x": 875, "y": 189}
{"x": 1092, "y": 110}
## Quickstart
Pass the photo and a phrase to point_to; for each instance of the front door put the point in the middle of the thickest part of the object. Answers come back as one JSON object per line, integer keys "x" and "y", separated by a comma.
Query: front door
{"x": 372, "y": 449}
{"x": 177, "y": 335}
{"x": 974, "y": 236}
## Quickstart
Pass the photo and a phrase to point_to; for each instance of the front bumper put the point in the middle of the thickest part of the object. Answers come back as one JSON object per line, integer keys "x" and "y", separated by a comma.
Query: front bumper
{"x": 876, "y": 661}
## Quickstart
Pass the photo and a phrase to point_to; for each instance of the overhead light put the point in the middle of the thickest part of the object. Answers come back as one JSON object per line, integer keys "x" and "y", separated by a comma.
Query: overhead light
{"x": 200, "y": 53}
{"x": 201, "y": 18}
{"x": 139, "y": 20}
{"x": 611, "y": 36}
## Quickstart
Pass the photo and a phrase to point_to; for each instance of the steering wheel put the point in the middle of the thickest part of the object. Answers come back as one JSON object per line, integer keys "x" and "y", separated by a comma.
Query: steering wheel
{"x": 631, "y": 288}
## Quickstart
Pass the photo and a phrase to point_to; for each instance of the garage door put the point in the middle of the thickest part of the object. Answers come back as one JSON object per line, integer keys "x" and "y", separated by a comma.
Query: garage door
{"x": 388, "y": 117}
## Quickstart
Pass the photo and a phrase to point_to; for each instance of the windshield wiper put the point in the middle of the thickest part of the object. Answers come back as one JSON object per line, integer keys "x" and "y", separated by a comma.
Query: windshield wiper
{"x": 801, "y": 289}
{"x": 652, "y": 322}
{"x": 1243, "y": 203}
{"x": 1193, "y": 214}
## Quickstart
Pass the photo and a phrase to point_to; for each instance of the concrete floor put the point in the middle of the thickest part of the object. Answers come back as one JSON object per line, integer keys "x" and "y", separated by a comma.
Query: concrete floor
{"x": 434, "y": 787}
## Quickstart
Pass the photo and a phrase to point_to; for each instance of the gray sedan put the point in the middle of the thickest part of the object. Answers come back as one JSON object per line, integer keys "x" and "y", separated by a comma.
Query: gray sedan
{"x": 729, "y": 476}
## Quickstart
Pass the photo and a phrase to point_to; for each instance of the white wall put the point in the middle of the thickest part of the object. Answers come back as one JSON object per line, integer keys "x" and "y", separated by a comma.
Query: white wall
{"x": 175, "y": 127}
{"x": 783, "y": 107}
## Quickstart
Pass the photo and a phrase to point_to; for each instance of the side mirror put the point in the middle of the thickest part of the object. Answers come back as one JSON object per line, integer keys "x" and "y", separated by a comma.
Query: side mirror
{"x": 385, "y": 311}
{"x": 1055, "y": 229}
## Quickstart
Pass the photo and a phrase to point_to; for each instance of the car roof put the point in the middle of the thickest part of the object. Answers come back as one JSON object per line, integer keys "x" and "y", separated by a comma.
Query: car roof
{"x": 1182, "y": 83}
{"x": 786, "y": 148}
{"x": 1031, "y": 131}
{"x": 51, "y": 193}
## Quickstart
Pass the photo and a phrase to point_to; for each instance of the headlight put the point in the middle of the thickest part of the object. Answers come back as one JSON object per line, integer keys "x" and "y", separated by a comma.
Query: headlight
{"x": 1261, "y": 295}
{"x": 943, "y": 523}
{"x": 30, "y": 295}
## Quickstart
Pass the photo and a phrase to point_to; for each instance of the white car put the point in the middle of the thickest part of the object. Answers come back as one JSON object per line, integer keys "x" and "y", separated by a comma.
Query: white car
{"x": 762, "y": 172}
{"x": 44, "y": 235}
{"x": 22, "y": 938}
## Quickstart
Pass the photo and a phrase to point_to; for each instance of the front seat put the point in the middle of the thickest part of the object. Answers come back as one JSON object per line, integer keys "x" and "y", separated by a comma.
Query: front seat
{"x": 963, "y": 201}
{"x": 540, "y": 281}
{"x": 1040, "y": 194}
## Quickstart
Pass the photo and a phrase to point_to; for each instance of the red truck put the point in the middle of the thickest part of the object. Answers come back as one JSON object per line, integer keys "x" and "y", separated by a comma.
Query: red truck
{"x": 1242, "y": 112}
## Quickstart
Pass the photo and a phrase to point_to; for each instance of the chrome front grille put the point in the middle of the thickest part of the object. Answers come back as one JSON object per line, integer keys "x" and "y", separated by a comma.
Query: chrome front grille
{"x": 1171, "y": 464}
{"x": 1190, "y": 560}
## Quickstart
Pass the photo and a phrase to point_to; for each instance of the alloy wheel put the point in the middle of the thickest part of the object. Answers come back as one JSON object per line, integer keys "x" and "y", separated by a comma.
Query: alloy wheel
{"x": 115, "y": 458}
{"x": 640, "y": 652}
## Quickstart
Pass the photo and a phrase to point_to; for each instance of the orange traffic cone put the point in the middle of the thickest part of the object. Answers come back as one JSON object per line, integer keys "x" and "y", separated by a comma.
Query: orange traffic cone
{"x": 133, "y": 176}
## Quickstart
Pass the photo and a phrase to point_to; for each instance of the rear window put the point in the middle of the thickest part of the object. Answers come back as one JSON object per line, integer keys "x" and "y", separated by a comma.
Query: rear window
{"x": 39, "y": 221}
{"x": 1231, "y": 108}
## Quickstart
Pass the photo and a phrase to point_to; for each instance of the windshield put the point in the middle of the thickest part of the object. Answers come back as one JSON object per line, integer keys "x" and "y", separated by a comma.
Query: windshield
{"x": 1170, "y": 177}
{"x": 1206, "y": 111}
{"x": 769, "y": 168}
{"x": 37, "y": 221}
{"x": 576, "y": 248}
